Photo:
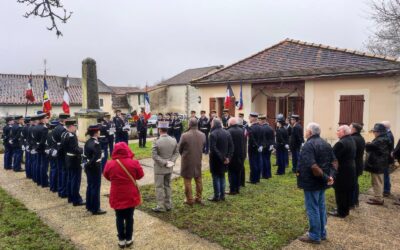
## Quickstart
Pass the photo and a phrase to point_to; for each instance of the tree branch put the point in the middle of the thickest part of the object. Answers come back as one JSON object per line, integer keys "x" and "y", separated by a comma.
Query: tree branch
{"x": 48, "y": 9}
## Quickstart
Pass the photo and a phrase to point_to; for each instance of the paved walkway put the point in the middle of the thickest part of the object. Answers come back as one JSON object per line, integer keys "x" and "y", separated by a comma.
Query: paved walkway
{"x": 367, "y": 227}
{"x": 97, "y": 232}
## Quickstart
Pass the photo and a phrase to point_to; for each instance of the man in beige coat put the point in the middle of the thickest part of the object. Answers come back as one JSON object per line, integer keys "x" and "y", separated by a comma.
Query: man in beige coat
{"x": 191, "y": 149}
{"x": 164, "y": 153}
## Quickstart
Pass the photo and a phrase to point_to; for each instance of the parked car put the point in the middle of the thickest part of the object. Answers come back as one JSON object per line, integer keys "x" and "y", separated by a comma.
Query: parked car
{"x": 152, "y": 122}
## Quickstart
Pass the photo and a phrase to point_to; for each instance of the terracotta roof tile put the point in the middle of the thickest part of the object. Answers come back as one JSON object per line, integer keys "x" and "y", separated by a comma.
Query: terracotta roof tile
{"x": 293, "y": 58}
{"x": 13, "y": 87}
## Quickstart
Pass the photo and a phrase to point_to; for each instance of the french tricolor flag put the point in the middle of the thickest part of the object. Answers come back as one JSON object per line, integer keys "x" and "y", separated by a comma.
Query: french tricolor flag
{"x": 29, "y": 92}
{"x": 65, "y": 104}
{"x": 228, "y": 97}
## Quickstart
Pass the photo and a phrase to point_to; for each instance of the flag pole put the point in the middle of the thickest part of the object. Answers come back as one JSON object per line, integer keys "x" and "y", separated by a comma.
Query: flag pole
{"x": 26, "y": 107}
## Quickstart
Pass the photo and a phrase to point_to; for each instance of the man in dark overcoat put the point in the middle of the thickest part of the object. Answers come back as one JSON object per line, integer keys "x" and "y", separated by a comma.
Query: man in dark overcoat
{"x": 360, "y": 147}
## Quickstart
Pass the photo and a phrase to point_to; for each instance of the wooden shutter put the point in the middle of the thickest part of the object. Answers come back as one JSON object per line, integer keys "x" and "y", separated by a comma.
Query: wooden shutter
{"x": 212, "y": 104}
{"x": 271, "y": 111}
{"x": 232, "y": 107}
{"x": 351, "y": 109}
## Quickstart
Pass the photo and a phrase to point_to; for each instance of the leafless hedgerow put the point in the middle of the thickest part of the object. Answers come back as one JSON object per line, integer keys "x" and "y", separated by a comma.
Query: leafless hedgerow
{"x": 386, "y": 38}
{"x": 52, "y": 9}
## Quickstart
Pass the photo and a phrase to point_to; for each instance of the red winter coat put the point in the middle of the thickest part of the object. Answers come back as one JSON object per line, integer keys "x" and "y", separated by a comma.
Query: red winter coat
{"x": 123, "y": 193}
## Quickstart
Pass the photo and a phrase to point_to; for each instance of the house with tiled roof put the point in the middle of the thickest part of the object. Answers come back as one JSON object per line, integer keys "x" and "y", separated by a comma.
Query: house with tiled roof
{"x": 176, "y": 94}
{"x": 323, "y": 84}
{"x": 13, "y": 87}
{"x": 127, "y": 99}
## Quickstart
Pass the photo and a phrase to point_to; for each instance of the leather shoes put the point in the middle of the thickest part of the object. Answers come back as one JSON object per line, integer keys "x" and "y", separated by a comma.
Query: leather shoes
{"x": 386, "y": 194}
{"x": 231, "y": 193}
{"x": 79, "y": 204}
{"x": 307, "y": 239}
{"x": 213, "y": 199}
{"x": 99, "y": 212}
{"x": 375, "y": 202}
{"x": 335, "y": 214}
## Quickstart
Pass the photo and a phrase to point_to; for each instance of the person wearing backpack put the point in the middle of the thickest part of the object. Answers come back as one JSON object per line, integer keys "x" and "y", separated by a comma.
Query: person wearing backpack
{"x": 123, "y": 171}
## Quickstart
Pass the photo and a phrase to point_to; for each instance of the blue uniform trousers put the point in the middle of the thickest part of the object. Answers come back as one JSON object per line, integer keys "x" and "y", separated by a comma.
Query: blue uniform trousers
{"x": 33, "y": 163}
{"x": 74, "y": 181}
{"x": 111, "y": 144}
{"x": 43, "y": 170}
{"x": 206, "y": 146}
{"x": 8, "y": 154}
{"x": 28, "y": 164}
{"x": 93, "y": 188}
{"x": 295, "y": 159}
{"x": 53, "y": 175}
{"x": 62, "y": 177}
{"x": 35, "y": 166}
{"x": 281, "y": 160}
{"x": 255, "y": 159}
{"x": 17, "y": 159}
{"x": 386, "y": 181}
{"x": 177, "y": 136}
{"x": 104, "y": 148}
{"x": 266, "y": 164}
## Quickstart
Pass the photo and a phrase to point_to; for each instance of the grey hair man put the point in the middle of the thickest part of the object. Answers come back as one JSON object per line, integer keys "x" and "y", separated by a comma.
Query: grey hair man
{"x": 315, "y": 174}
{"x": 345, "y": 182}
{"x": 164, "y": 153}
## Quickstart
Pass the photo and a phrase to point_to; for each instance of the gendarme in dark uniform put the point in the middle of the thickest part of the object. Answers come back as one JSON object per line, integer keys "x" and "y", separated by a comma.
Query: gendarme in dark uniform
{"x": 177, "y": 127}
{"x": 51, "y": 151}
{"x": 255, "y": 148}
{"x": 93, "y": 170}
{"x": 73, "y": 157}
{"x": 103, "y": 140}
{"x": 296, "y": 140}
{"x": 61, "y": 168}
{"x": 269, "y": 137}
{"x": 25, "y": 147}
{"x": 8, "y": 149}
{"x": 16, "y": 142}
{"x": 42, "y": 166}
{"x": 205, "y": 127}
{"x": 31, "y": 149}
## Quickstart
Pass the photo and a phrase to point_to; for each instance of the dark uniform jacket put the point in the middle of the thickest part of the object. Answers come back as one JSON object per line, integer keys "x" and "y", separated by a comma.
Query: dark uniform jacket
{"x": 57, "y": 133}
{"x": 296, "y": 137}
{"x": 40, "y": 132}
{"x": 6, "y": 136}
{"x": 377, "y": 154}
{"x": 345, "y": 152}
{"x": 16, "y": 135}
{"x": 269, "y": 136}
{"x": 31, "y": 138}
{"x": 72, "y": 150}
{"x": 282, "y": 138}
{"x": 396, "y": 151}
{"x": 237, "y": 135}
{"x": 391, "y": 138}
{"x": 225, "y": 121}
{"x": 51, "y": 144}
{"x": 204, "y": 125}
{"x": 315, "y": 151}
{"x": 25, "y": 134}
{"x": 104, "y": 134}
{"x": 92, "y": 152}
{"x": 360, "y": 147}
{"x": 221, "y": 147}
{"x": 256, "y": 137}
{"x": 177, "y": 126}
{"x": 119, "y": 126}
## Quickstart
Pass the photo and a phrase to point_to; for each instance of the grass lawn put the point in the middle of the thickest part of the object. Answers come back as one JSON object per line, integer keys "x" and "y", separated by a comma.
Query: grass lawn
{"x": 264, "y": 216}
{"x": 22, "y": 229}
{"x": 141, "y": 153}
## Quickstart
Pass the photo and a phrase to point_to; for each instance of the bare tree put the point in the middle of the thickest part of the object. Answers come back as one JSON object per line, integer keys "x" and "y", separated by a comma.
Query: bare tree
{"x": 52, "y": 9}
{"x": 386, "y": 38}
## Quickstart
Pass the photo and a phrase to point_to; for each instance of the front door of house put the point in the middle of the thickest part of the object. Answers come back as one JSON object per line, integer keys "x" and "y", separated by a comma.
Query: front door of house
{"x": 286, "y": 106}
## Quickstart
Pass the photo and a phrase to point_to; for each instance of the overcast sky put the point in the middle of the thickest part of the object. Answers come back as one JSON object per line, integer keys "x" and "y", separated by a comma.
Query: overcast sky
{"x": 135, "y": 42}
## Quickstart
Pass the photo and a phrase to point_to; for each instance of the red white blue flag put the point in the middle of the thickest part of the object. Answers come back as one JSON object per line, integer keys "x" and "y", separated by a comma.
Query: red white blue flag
{"x": 228, "y": 97}
{"x": 46, "y": 98}
{"x": 65, "y": 104}
{"x": 29, "y": 92}
{"x": 239, "y": 104}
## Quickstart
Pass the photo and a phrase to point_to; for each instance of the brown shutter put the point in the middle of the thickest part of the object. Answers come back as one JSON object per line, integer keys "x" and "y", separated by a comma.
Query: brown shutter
{"x": 212, "y": 104}
{"x": 357, "y": 108}
{"x": 232, "y": 107}
{"x": 345, "y": 110}
{"x": 271, "y": 111}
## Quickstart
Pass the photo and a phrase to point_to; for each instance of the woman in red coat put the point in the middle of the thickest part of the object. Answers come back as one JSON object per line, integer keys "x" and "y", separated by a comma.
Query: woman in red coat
{"x": 123, "y": 171}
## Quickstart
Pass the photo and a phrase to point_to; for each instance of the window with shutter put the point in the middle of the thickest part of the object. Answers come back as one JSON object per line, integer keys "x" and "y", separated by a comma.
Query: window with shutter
{"x": 212, "y": 104}
{"x": 351, "y": 109}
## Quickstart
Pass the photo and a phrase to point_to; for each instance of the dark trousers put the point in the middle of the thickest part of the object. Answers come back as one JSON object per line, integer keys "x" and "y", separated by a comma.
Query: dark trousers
{"x": 111, "y": 144}
{"x": 266, "y": 164}
{"x": 53, "y": 175}
{"x": 386, "y": 181}
{"x": 286, "y": 158}
{"x": 206, "y": 146}
{"x": 35, "y": 167}
{"x": 219, "y": 185}
{"x": 295, "y": 159}
{"x": 93, "y": 188}
{"x": 28, "y": 164}
{"x": 177, "y": 135}
{"x": 62, "y": 177}
{"x": 43, "y": 170}
{"x": 255, "y": 159}
{"x": 343, "y": 202}
{"x": 242, "y": 176}
{"x": 234, "y": 180}
{"x": 124, "y": 219}
{"x": 281, "y": 160}
{"x": 75, "y": 175}
{"x": 356, "y": 194}
{"x": 33, "y": 163}
{"x": 104, "y": 148}
{"x": 142, "y": 138}
{"x": 17, "y": 159}
{"x": 8, "y": 154}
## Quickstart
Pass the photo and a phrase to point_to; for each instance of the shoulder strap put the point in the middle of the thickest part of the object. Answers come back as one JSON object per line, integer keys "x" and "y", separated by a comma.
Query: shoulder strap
{"x": 129, "y": 175}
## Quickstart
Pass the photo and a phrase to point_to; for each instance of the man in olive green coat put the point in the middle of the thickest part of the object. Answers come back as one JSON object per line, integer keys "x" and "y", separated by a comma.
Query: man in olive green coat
{"x": 164, "y": 153}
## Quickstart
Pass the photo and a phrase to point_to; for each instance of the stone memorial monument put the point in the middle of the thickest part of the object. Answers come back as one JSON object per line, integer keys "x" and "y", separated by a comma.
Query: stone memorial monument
{"x": 90, "y": 98}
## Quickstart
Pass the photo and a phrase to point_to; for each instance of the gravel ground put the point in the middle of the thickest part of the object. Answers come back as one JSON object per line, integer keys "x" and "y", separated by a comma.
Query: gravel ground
{"x": 97, "y": 232}
{"x": 367, "y": 227}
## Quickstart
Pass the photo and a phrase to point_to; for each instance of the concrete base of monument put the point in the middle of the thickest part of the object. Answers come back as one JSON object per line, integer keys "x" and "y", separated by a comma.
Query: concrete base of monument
{"x": 85, "y": 118}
